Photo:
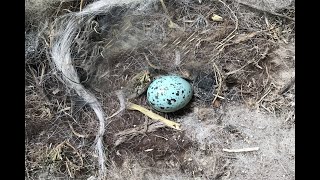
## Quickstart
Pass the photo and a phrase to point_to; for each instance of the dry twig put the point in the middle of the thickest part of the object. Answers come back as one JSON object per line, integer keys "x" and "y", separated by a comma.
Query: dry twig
{"x": 231, "y": 35}
{"x": 154, "y": 116}
{"x": 81, "y": 4}
{"x": 287, "y": 86}
{"x": 241, "y": 150}
{"x": 220, "y": 83}
{"x": 267, "y": 11}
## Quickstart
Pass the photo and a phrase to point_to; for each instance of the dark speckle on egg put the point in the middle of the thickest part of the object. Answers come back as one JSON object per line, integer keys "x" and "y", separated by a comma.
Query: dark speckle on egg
{"x": 169, "y": 101}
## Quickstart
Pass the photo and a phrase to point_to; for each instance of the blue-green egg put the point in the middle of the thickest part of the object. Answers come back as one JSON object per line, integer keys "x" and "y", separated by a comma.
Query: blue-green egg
{"x": 169, "y": 93}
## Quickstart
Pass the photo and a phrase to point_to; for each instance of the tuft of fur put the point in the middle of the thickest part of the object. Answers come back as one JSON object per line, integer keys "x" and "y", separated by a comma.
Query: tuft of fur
{"x": 62, "y": 60}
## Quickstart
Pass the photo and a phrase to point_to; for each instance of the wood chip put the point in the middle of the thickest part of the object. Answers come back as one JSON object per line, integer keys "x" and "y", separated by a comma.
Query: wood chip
{"x": 56, "y": 91}
{"x": 216, "y": 18}
{"x": 147, "y": 150}
{"x": 241, "y": 150}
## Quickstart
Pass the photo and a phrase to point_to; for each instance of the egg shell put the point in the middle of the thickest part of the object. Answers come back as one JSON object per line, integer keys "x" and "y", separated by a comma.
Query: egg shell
{"x": 169, "y": 93}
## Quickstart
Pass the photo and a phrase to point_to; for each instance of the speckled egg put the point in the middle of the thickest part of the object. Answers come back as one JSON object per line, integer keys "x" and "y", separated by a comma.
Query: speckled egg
{"x": 169, "y": 93}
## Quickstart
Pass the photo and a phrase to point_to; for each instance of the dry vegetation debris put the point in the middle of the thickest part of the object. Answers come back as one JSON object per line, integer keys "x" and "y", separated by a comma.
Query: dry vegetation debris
{"x": 245, "y": 57}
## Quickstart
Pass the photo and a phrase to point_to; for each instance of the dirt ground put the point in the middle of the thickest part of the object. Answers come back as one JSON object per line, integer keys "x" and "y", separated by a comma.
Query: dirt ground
{"x": 239, "y": 125}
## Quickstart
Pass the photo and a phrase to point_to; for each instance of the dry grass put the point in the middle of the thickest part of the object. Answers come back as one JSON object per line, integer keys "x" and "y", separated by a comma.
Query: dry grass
{"x": 247, "y": 58}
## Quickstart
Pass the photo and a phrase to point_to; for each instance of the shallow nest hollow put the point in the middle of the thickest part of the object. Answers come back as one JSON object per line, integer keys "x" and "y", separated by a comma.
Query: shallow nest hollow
{"x": 229, "y": 60}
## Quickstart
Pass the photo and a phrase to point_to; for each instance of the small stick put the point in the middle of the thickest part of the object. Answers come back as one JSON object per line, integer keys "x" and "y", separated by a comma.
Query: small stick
{"x": 290, "y": 116}
{"x": 241, "y": 150}
{"x": 160, "y": 137}
{"x": 149, "y": 63}
{"x": 67, "y": 167}
{"x": 164, "y": 8}
{"x": 270, "y": 12}
{"x": 76, "y": 151}
{"x": 269, "y": 90}
{"x": 81, "y": 2}
{"x": 231, "y": 35}
{"x": 75, "y": 133}
{"x": 38, "y": 85}
{"x": 235, "y": 71}
{"x": 122, "y": 105}
{"x": 171, "y": 23}
{"x": 153, "y": 116}
{"x": 220, "y": 82}
{"x": 219, "y": 96}
{"x": 287, "y": 86}
{"x": 282, "y": 166}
